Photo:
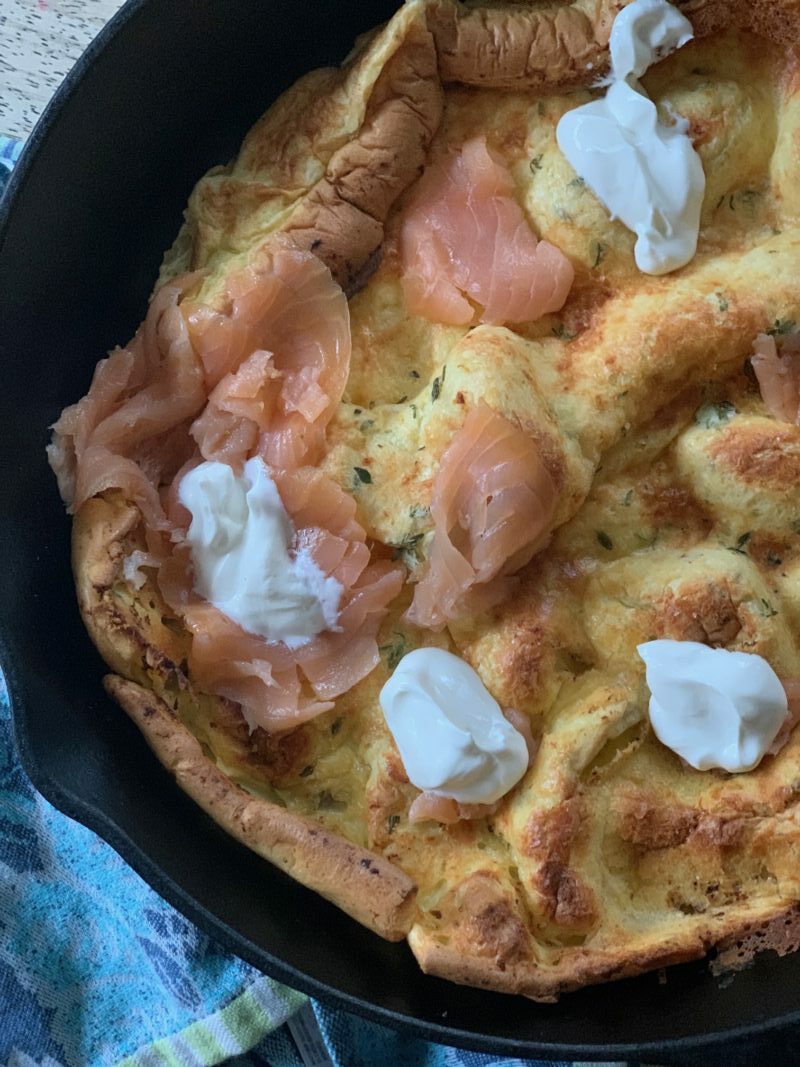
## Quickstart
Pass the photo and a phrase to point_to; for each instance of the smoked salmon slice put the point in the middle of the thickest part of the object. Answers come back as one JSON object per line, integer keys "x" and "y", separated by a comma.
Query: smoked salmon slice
{"x": 492, "y": 504}
{"x": 277, "y": 361}
{"x": 468, "y": 253}
{"x": 128, "y": 432}
{"x": 777, "y": 368}
{"x": 278, "y": 687}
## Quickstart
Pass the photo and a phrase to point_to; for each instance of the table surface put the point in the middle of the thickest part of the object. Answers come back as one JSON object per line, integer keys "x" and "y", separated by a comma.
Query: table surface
{"x": 39, "y": 42}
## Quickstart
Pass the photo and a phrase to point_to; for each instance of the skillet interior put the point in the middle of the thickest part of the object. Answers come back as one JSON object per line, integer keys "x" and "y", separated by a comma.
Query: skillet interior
{"x": 166, "y": 92}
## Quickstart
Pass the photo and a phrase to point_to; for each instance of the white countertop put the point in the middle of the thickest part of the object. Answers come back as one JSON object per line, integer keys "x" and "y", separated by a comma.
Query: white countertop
{"x": 39, "y": 42}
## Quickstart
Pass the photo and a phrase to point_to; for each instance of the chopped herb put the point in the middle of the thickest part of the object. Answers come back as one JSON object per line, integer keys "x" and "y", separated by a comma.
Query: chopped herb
{"x": 356, "y": 411}
{"x": 395, "y": 651}
{"x": 438, "y": 382}
{"x": 773, "y": 560}
{"x": 407, "y": 549}
{"x": 413, "y": 411}
{"x": 766, "y": 609}
{"x": 363, "y": 475}
{"x": 367, "y": 424}
{"x": 605, "y": 540}
{"x": 392, "y": 822}
{"x": 414, "y": 374}
{"x": 600, "y": 251}
{"x": 722, "y": 302}
{"x": 402, "y": 399}
{"x": 711, "y": 416}
{"x": 306, "y": 771}
{"x": 627, "y": 500}
{"x": 741, "y": 542}
{"x": 536, "y": 164}
{"x": 336, "y": 726}
{"x": 577, "y": 183}
{"x": 719, "y": 202}
{"x": 419, "y": 511}
{"x": 540, "y": 107}
{"x": 562, "y": 333}
{"x": 781, "y": 327}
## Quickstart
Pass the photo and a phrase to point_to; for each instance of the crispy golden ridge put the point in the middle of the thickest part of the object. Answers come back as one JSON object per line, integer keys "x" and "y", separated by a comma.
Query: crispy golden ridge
{"x": 326, "y": 162}
{"x": 362, "y": 883}
{"x": 678, "y": 509}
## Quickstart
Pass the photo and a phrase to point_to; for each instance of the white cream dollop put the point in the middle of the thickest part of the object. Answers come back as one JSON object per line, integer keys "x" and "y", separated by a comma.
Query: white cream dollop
{"x": 240, "y": 538}
{"x": 713, "y": 707}
{"x": 645, "y": 172}
{"x": 453, "y": 738}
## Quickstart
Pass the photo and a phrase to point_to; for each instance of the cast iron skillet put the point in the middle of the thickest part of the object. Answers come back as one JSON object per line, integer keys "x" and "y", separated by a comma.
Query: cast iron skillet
{"x": 167, "y": 90}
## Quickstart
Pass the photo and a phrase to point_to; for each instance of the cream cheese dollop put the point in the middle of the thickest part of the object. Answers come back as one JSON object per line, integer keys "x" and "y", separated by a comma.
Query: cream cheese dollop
{"x": 452, "y": 735}
{"x": 644, "y": 171}
{"x": 713, "y": 707}
{"x": 240, "y": 539}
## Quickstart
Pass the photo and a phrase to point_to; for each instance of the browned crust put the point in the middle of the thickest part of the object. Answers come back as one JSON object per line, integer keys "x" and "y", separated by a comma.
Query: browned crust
{"x": 342, "y": 219}
{"x": 575, "y": 968}
{"x": 780, "y": 933}
{"x": 777, "y": 20}
{"x": 760, "y": 455}
{"x": 362, "y": 883}
{"x": 739, "y": 941}
{"x": 698, "y": 612}
{"x": 553, "y": 47}
{"x": 563, "y": 46}
{"x": 651, "y": 822}
{"x": 339, "y": 215}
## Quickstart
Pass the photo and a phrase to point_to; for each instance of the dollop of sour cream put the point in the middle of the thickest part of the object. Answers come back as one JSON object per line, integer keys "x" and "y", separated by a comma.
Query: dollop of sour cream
{"x": 644, "y": 171}
{"x": 453, "y": 738}
{"x": 713, "y": 707}
{"x": 240, "y": 539}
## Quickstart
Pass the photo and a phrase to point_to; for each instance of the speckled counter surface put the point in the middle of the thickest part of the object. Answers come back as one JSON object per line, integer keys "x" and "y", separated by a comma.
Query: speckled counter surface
{"x": 39, "y": 42}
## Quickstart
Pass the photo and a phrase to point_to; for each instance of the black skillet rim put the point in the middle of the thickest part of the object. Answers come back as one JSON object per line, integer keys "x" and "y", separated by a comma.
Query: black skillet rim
{"x": 95, "y": 819}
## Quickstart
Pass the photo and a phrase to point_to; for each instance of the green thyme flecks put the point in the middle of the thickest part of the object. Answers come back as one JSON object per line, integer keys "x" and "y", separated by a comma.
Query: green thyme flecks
{"x": 781, "y": 327}
{"x": 741, "y": 543}
{"x": 765, "y": 608}
{"x": 438, "y": 382}
{"x": 394, "y": 651}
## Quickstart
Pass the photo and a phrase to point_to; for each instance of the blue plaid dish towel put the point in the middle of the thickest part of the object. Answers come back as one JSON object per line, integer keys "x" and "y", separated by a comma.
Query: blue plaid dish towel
{"x": 96, "y": 969}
